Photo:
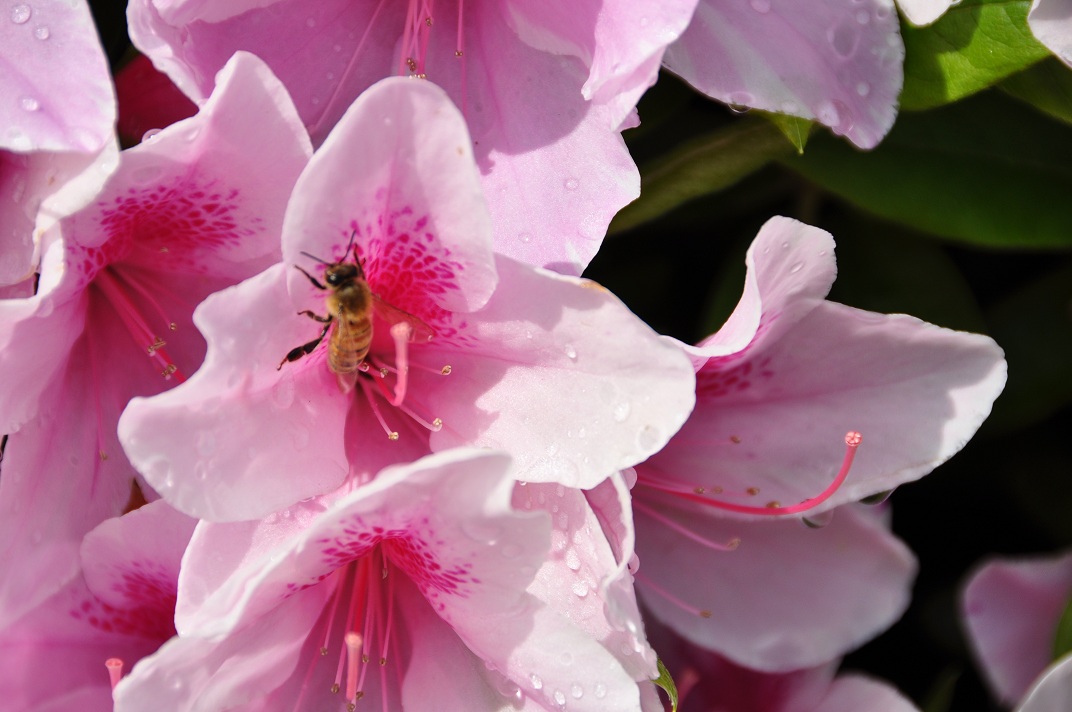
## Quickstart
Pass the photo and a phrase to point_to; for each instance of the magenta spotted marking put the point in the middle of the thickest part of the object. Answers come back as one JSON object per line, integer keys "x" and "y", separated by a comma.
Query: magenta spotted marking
{"x": 721, "y": 377}
{"x": 405, "y": 549}
{"x": 165, "y": 228}
{"x": 150, "y": 591}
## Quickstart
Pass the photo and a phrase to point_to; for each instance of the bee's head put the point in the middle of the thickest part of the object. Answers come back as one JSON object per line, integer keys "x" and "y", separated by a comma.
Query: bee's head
{"x": 341, "y": 273}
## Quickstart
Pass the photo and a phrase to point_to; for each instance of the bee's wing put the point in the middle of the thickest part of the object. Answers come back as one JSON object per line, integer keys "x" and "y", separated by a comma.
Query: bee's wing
{"x": 421, "y": 332}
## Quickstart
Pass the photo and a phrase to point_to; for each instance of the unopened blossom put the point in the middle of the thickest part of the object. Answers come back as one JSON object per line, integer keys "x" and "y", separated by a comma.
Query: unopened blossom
{"x": 1011, "y": 611}
{"x": 190, "y": 212}
{"x": 837, "y": 62}
{"x": 802, "y": 405}
{"x": 411, "y": 592}
{"x": 468, "y": 347}
{"x": 57, "y": 118}
{"x": 544, "y": 86}
{"x": 119, "y": 608}
{"x": 1051, "y": 24}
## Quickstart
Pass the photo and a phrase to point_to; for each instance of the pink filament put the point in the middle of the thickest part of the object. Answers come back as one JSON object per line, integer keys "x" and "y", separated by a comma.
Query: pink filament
{"x": 115, "y": 670}
{"x": 852, "y": 441}
{"x": 353, "y": 656}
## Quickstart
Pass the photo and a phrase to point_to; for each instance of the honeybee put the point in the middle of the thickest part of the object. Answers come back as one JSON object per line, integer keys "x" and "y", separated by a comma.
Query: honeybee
{"x": 350, "y": 306}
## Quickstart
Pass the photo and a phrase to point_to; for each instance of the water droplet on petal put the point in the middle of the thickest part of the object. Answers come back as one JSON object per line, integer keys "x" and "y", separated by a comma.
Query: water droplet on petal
{"x": 283, "y": 392}
{"x": 818, "y": 521}
{"x": 863, "y": 88}
{"x": 621, "y": 412}
{"x": 525, "y": 236}
{"x": 877, "y": 498}
{"x": 573, "y": 560}
{"x": 648, "y": 437}
{"x": 571, "y": 184}
{"x": 28, "y": 103}
{"x": 844, "y": 38}
{"x": 20, "y": 14}
{"x": 580, "y": 589}
{"x": 537, "y": 683}
{"x": 206, "y": 443}
{"x": 600, "y": 690}
{"x": 760, "y": 6}
{"x": 796, "y": 268}
{"x": 150, "y": 134}
{"x": 41, "y": 32}
{"x": 739, "y": 102}
{"x": 560, "y": 697}
{"x": 571, "y": 352}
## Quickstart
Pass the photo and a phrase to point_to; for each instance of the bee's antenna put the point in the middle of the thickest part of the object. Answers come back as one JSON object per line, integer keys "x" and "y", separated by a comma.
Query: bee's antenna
{"x": 349, "y": 247}
{"x": 314, "y": 257}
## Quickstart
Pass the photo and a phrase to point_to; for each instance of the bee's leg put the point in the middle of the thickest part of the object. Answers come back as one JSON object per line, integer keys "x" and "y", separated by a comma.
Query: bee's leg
{"x": 312, "y": 279}
{"x": 315, "y": 317}
{"x": 305, "y": 349}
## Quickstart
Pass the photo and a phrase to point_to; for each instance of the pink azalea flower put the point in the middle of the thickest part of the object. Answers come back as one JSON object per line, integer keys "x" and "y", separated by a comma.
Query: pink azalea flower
{"x": 119, "y": 607}
{"x": 58, "y": 116}
{"x": 1049, "y": 20}
{"x": 778, "y": 387}
{"x": 468, "y": 347}
{"x": 708, "y": 682}
{"x": 1011, "y": 609}
{"x": 835, "y": 62}
{"x": 194, "y": 210}
{"x": 545, "y": 87}
{"x": 412, "y": 592}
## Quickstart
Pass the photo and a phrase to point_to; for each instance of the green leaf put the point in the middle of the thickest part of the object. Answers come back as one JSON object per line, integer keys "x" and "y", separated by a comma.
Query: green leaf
{"x": 1047, "y": 86}
{"x": 794, "y": 128}
{"x": 667, "y": 683}
{"x": 1062, "y": 639}
{"x": 974, "y": 45}
{"x": 987, "y": 171}
{"x": 701, "y": 166}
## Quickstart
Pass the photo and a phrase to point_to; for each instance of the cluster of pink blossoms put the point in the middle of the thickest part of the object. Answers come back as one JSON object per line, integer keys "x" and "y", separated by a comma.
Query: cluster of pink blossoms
{"x": 305, "y": 407}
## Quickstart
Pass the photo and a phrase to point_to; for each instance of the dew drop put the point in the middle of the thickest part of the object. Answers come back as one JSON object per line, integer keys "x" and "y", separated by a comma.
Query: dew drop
{"x": 740, "y": 101}
{"x": 648, "y": 437}
{"x": 818, "y": 521}
{"x": 576, "y": 691}
{"x": 201, "y": 470}
{"x": 843, "y": 38}
{"x": 863, "y": 17}
{"x": 580, "y": 589}
{"x": 283, "y": 392}
{"x": 760, "y": 6}
{"x": 510, "y": 551}
{"x": 482, "y": 532}
{"x": 150, "y": 134}
{"x": 621, "y": 412}
{"x": 571, "y": 352}
{"x": 571, "y": 184}
{"x": 877, "y": 498}
{"x": 28, "y": 103}
{"x": 566, "y": 658}
{"x": 785, "y": 245}
{"x": 796, "y": 268}
{"x": 525, "y": 236}
{"x": 573, "y": 560}
{"x": 20, "y": 14}
{"x": 863, "y": 88}
{"x": 206, "y": 443}
{"x": 560, "y": 697}
{"x": 300, "y": 436}
{"x": 600, "y": 690}
{"x": 41, "y": 32}
{"x": 537, "y": 683}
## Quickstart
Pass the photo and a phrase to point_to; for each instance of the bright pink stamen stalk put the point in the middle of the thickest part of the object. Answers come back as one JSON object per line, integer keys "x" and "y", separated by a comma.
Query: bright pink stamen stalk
{"x": 132, "y": 319}
{"x": 401, "y": 333}
{"x": 353, "y": 656}
{"x": 852, "y": 441}
{"x": 115, "y": 670}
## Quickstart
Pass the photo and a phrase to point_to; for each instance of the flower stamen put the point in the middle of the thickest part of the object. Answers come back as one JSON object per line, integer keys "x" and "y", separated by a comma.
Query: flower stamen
{"x": 115, "y": 670}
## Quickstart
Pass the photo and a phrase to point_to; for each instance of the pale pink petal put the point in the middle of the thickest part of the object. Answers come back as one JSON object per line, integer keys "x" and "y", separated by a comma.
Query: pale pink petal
{"x": 1053, "y": 691}
{"x": 924, "y": 12}
{"x": 623, "y": 52}
{"x": 397, "y": 168}
{"x": 1051, "y": 21}
{"x": 543, "y": 334}
{"x": 252, "y": 437}
{"x": 198, "y": 674}
{"x": 56, "y": 83}
{"x": 852, "y": 693}
{"x": 837, "y": 62}
{"x": 1011, "y": 610}
{"x": 735, "y": 601}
